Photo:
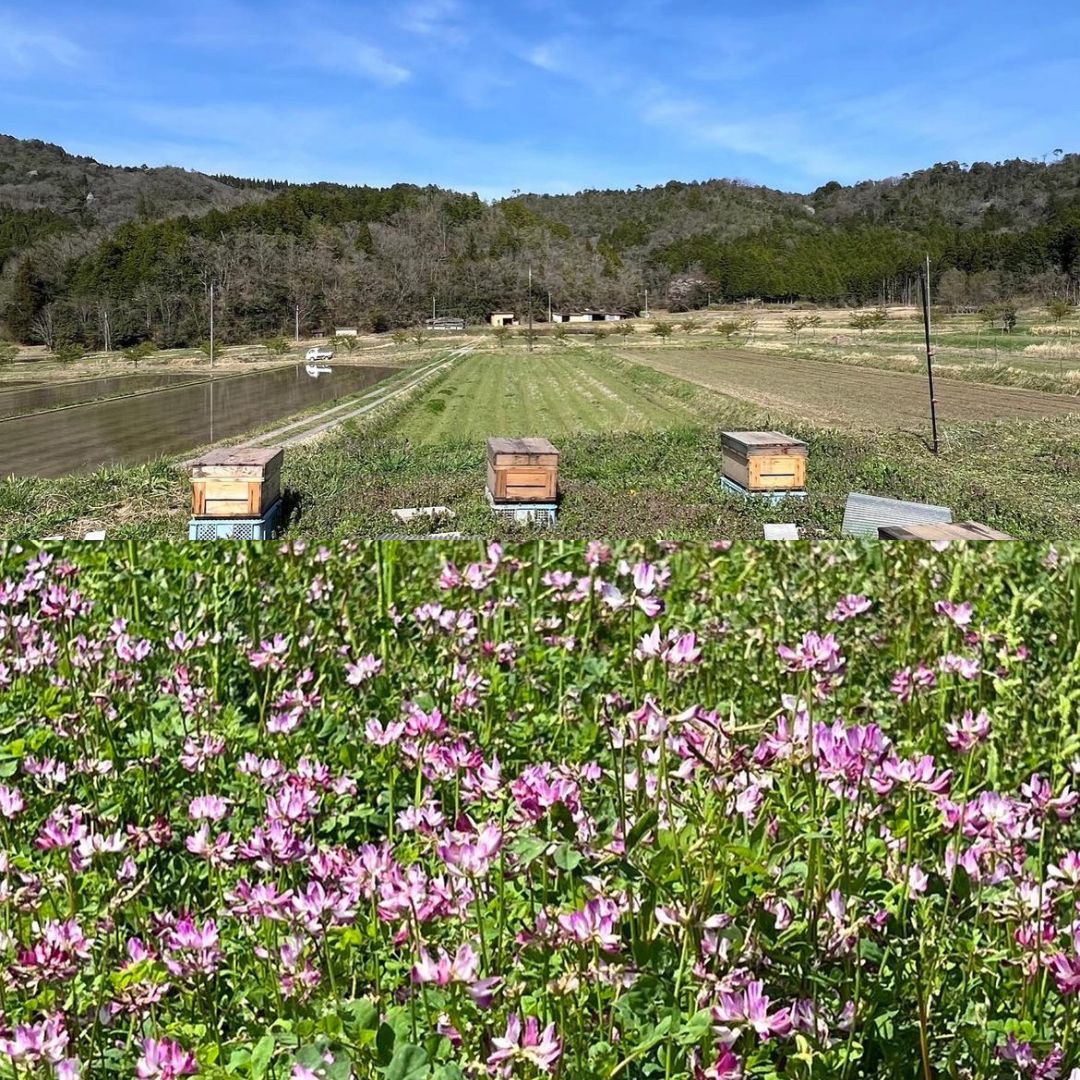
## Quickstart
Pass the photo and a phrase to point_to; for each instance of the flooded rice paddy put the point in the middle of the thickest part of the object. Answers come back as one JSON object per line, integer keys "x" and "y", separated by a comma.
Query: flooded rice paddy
{"x": 155, "y": 421}
{"x": 19, "y": 399}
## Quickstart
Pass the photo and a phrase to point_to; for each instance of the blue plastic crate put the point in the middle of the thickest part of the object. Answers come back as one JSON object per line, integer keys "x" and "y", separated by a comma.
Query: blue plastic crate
{"x": 236, "y": 528}
{"x": 771, "y": 497}
{"x": 542, "y": 514}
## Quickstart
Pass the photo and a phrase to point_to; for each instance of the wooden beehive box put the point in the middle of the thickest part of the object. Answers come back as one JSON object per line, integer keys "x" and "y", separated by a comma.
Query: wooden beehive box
{"x": 764, "y": 460}
{"x": 961, "y": 530}
{"x": 236, "y": 483}
{"x": 522, "y": 470}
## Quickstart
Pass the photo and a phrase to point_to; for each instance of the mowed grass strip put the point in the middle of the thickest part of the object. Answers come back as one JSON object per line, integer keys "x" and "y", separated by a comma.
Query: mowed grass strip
{"x": 548, "y": 393}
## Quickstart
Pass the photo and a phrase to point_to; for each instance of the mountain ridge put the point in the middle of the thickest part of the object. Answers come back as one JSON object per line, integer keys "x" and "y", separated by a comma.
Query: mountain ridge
{"x": 144, "y": 243}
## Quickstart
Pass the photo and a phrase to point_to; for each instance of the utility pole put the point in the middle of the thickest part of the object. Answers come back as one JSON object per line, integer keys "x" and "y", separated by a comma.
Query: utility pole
{"x": 551, "y": 316}
{"x": 433, "y": 313}
{"x": 530, "y": 312}
{"x": 298, "y": 324}
{"x": 108, "y": 334}
{"x": 929, "y": 350}
{"x": 646, "y": 303}
{"x": 211, "y": 326}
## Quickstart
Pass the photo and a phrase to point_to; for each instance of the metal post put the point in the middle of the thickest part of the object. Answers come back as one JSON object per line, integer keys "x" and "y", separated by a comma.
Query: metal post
{"x": 929, "y": 350}
{"x": 211, "y": 327}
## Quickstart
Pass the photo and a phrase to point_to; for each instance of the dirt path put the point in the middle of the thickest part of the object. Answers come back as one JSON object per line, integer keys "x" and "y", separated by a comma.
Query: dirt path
{"x": 833, "y": 394}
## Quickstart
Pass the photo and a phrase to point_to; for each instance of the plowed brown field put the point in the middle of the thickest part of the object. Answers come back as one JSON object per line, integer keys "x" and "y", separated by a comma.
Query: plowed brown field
{"x": 840, "y": 394}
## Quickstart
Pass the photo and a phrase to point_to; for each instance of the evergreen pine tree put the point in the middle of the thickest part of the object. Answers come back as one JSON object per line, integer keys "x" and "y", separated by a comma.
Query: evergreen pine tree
{"x": 28, "y": 297}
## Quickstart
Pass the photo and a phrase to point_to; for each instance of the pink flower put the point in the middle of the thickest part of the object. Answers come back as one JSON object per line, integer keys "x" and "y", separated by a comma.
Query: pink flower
{"x": 849, "y": 607}
{"x": 11, "y": 802}
{"x": 530, "y": 1046}
{"x": 959, "y": 613}
{"x": 462, "y": 967}
{"x": 1066, "y": 972}
{"x": 45, "y": 1041}
{"x": 813, "y": 653}
{"x": 165, "y": 1060}
{"x": 269, "y": 654}
{"x": 366, "y": 668}
{"x": 192, "y": 950}
{"x": 471, "y": 854}
{"x": 967, "y": 732}
{"x": 726, "y": 1067}
{"x": 593, "y": 924}
{"x": 750, "y": 1008}
{"x": 208, "y": 808}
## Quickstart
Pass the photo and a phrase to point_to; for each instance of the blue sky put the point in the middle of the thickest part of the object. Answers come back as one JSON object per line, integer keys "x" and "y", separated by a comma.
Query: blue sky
{"x": 543, "y": 95}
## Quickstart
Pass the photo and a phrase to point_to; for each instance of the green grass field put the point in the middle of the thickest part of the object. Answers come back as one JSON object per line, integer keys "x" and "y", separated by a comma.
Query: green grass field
{"x": 640, "y": 458}
{"x": 549, "y": 393}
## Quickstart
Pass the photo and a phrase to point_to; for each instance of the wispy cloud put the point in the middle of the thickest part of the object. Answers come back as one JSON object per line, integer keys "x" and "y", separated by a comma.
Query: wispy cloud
{"x": 25, "y": 49}
{"x": 781, "y": 138}
{"x": 354, "y": 56}
{"x": 444, "y": 19}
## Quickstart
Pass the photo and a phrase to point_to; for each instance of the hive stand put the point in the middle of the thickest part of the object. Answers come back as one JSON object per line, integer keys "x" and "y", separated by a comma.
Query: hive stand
{"x": 260, "y": 528}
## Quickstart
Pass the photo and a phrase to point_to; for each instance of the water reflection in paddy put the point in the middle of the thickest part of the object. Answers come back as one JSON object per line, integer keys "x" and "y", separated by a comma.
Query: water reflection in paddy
{"x": 167, "y": 421}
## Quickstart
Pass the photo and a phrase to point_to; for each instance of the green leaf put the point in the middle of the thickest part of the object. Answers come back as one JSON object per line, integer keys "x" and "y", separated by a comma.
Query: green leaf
{"x": 449, "y": 1072}
{"x": 261, "y": 1055}
{"x": 384, "y": 1043}
{"x": 408, "y": 1063}
{"x": 563, "y": 821}
{"x": 361, "y": 1015}
{"x": 567, "y": 858}
{"x": 644, "y": 824}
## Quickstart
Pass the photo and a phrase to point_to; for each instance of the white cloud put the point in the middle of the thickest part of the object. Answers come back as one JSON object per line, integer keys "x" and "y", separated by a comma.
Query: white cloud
{"x": 435, "y": 18}
{"x": 26, "y": 49}
{"x": 353, "y": 56}
{"x": 782, "y": 138}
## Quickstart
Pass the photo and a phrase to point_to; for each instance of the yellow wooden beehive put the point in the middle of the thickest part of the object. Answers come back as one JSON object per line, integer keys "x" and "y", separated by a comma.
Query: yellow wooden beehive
{"x": 764, "y": 460}
{"x": 236, "y": 483}
{"x": 522, "y": 470}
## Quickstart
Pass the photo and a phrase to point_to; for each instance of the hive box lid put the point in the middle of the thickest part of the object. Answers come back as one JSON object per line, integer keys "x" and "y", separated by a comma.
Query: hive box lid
{"x": 236, "y": 460}
{"x": 962, "y": 530}
{"x": 760, "y": 440}
{"x": 521, "y": 446}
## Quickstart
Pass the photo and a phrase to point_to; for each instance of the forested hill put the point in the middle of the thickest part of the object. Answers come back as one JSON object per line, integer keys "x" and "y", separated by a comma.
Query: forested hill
{"x": 79, "y": 239}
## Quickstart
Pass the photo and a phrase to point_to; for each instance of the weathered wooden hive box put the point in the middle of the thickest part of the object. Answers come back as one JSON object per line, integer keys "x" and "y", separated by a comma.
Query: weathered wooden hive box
{"x": 522, "y": 470}
{"x": 236, "y": 483}
{"x": 764, "y": 460}
{"x": 960, "y": 530}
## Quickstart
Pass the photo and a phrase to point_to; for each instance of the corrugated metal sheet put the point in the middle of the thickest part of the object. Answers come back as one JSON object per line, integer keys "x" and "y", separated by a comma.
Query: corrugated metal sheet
{"x": 865, "y": 514}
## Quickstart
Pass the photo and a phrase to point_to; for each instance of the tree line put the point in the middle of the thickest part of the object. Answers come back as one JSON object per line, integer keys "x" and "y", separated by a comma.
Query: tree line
{"x": 378, "y": 257}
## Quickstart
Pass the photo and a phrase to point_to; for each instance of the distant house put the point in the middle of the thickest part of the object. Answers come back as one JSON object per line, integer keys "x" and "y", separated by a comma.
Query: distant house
{"x": 445, "y": 323}
{"x": 347, "y": 331}
{"x": 588, "y": 316}
{"x": 503, "y": 318}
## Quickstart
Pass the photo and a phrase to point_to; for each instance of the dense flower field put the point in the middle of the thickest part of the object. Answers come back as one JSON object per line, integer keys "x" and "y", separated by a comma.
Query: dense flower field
{"x": 403, "y": 812}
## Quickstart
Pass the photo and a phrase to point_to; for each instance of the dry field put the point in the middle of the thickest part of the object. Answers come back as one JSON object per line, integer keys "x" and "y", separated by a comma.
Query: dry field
{"x": 842, "y": 395}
